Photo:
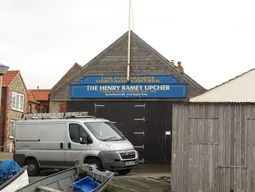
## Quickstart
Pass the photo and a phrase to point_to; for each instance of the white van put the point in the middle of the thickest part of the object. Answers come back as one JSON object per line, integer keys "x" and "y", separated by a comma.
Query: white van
{"x": 57, "y": 143}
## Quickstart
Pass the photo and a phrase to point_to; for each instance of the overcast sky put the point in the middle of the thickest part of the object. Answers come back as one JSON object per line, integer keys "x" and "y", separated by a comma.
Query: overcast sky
{"x": 214, "y": 40}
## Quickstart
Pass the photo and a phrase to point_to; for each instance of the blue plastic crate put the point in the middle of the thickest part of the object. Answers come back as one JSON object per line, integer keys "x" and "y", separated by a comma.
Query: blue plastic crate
{"x": 85, "y": 185}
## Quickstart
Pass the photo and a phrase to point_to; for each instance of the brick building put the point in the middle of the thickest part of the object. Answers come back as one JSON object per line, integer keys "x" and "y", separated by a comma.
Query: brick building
{"x": 13, "y": 103}
{"x": 38, "y": 100}
{"x": 33, "y": 105}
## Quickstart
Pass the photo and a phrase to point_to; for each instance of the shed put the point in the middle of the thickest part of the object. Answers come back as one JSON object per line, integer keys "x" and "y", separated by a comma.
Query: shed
{"x": 213, "y": 147}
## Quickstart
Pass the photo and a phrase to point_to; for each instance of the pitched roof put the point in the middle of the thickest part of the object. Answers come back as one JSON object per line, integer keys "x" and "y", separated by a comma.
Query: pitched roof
{"x": 232, "y": 92}
{"x": 76, "y": 67}
{"x": 120, "y": 40}
{"x": 40, "y": 94}
{"x": 31, "y": 97}
{"x": 8, "y": 77}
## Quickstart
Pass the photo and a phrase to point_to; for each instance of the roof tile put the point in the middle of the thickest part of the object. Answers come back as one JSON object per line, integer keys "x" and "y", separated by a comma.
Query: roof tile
{"x": 31, "y": 96}
{"x": 8, "y": 77}
{"x": 40, "y": 94}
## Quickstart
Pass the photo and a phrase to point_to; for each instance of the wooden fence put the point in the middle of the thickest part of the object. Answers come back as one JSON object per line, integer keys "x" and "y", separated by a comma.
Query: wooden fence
{"x": 213, "y": 147}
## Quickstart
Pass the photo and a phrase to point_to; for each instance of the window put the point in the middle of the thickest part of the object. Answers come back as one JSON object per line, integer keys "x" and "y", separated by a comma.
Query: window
{"x": 17, "y": 101}
{"x": 104, "y": 131}
{"x": 12, "y": 129}
{"x": 76, "y": 131}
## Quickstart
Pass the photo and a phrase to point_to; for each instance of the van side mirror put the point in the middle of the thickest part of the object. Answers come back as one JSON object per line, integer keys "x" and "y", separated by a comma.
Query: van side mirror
{"x": 84, "y": 140}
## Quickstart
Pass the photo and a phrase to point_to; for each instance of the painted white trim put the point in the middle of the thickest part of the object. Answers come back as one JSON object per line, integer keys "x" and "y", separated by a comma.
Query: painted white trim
{"x": 20, "y": 101}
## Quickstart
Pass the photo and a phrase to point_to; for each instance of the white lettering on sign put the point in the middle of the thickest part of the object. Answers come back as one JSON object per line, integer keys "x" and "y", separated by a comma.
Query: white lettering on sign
{"x": 132, "y": 87}
{"x": 128, "y": 87}
{"x": 157, "y": 87}
{"x": 109, "y": 88}
{"x": 92, "y": 88}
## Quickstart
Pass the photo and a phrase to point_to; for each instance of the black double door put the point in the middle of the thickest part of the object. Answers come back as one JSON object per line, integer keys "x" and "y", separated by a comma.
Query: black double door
{"x": 147, "y": 125}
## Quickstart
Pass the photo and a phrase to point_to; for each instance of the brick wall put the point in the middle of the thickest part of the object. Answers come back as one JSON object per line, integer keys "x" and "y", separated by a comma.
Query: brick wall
{"x": 19, "y": 87}
{"x": 34, "y": 107}
{"x": 63, "y": 106}
{"x": 54, "y": 106}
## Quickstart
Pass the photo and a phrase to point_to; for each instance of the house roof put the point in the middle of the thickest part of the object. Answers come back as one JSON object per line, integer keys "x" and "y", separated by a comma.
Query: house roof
{"x": 120, "y": 40}
{"x": 232, "y": 90}
{"x": 76, "y": 67}
{"x": 39, "y": 94}
{"x": 31, "y": 97}
{"x": 8, "y": 77}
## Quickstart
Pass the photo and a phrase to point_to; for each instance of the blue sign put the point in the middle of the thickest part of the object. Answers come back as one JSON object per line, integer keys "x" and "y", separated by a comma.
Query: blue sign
{"x": 139, "y": 86}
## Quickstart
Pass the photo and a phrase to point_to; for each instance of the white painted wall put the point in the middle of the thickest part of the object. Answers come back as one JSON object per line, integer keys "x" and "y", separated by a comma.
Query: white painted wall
{"x": 240, "y": 89}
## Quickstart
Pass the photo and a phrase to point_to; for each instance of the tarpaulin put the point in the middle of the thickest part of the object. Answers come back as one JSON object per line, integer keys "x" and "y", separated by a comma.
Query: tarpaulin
{"x": 8, "y": 168}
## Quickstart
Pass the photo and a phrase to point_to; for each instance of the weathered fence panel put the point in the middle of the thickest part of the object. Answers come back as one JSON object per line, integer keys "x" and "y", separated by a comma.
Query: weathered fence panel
{"x": 213, "y": 147}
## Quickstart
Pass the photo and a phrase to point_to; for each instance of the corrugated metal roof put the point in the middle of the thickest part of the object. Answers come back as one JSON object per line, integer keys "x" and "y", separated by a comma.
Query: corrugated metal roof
{"x": 237, "y": 89}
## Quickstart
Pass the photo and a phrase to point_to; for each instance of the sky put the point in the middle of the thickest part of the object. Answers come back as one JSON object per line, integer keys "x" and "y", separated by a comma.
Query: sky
{"x": 214, "y": 40}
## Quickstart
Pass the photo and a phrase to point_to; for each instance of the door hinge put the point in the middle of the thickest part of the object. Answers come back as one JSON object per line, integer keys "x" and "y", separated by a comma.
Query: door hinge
{"x": 139, "y": 147}
{"x": 140, "y": 105}
{"x": 139, "y": 133}
{"x": 95, "y": 105}
{"x": 140, "y": 119}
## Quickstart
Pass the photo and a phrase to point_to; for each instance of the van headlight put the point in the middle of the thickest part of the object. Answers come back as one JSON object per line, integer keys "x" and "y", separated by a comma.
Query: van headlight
{"x": 106, "y": 147}
{"x": 137, "y": 154}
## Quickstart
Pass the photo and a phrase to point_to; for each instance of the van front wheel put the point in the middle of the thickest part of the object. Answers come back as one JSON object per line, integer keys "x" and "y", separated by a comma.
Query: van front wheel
{"x": 33, "y": 168}
{"x": 94, "y": 161}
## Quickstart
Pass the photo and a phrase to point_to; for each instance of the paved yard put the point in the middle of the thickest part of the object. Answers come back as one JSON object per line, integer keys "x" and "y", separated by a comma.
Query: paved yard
{"x": 139, "y": 184}
{"x": 141, "y": 179}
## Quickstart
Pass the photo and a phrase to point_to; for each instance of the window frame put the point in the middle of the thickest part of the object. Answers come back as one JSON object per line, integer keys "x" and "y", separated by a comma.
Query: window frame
{"x": 17, "y": 104}
{"x": 80, "y": 127}
{"x": 13, "y": 129}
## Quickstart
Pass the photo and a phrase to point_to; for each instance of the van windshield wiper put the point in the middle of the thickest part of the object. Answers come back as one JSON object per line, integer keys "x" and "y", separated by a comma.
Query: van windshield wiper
{"x": 109, "y": 138}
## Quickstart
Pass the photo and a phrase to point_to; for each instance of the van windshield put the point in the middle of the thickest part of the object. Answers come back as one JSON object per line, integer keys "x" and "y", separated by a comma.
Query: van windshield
{"x": 104, "y": 131}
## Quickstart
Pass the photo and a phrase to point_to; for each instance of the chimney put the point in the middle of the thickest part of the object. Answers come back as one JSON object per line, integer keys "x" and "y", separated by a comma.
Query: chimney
{"x": 37, "y": 86}
{"x": 180, "y": 68}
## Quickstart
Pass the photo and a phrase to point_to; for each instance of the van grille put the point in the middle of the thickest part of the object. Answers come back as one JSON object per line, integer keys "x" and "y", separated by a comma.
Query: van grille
{"x": 127, "y": 155}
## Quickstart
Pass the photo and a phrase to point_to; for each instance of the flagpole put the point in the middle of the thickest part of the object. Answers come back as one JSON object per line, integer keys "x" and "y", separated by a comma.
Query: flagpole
{"x": 129, "y": 41}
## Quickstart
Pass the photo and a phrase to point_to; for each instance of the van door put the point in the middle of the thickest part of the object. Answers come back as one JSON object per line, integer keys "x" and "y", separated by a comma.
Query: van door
{"x": 75, "y": 150}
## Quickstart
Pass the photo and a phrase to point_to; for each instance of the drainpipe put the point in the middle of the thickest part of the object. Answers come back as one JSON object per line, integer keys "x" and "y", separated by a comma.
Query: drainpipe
{"x": 5, "y": 114}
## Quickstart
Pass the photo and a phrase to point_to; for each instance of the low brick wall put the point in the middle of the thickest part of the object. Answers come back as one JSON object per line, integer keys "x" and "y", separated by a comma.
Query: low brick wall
{"x": 5, "y": 155}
